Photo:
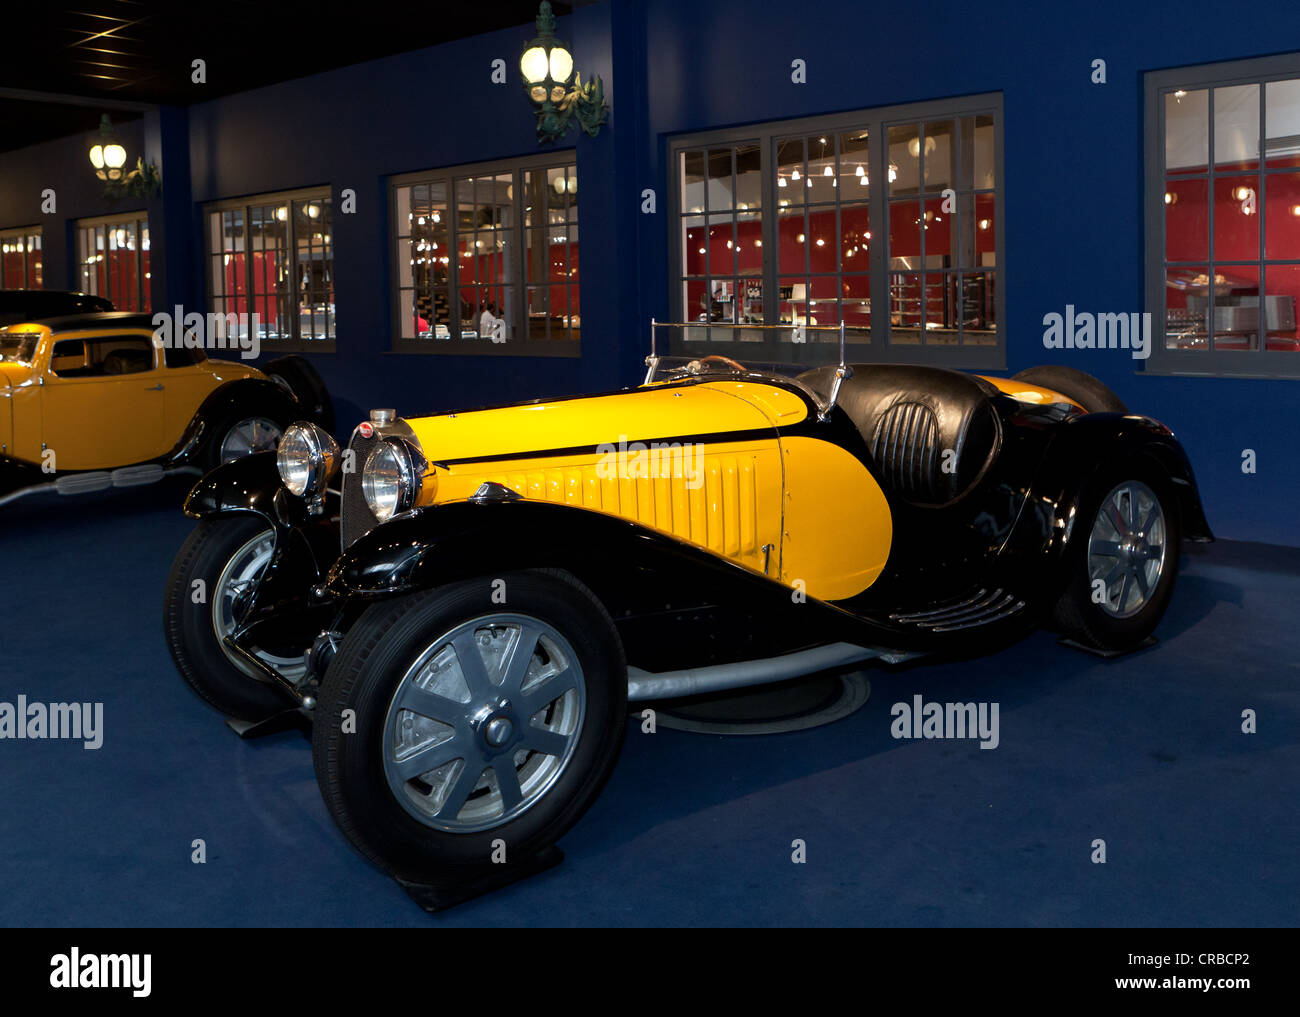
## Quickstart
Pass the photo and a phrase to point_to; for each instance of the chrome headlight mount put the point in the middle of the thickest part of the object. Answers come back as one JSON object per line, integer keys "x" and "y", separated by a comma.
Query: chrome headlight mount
{"x": 392, "y": 477}
{"x": 306, "y": 459}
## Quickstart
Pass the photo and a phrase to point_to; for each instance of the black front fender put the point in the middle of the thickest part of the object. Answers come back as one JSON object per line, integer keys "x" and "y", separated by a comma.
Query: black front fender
{"x": 446, "y": 543}
{"x": 252, "y": 485}
{"x": 673, "y": 602}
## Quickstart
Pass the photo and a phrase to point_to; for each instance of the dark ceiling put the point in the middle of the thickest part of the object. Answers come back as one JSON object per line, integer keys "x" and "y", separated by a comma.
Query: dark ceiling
{"x": 108, "y": 55}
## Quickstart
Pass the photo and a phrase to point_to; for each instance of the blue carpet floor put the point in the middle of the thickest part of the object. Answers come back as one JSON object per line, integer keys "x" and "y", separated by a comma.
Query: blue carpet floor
{"x": 1200, "y": 821}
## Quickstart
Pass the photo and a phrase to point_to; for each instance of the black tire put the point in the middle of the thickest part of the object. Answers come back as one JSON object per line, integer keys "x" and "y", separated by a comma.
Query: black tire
{"x": 1083, "y": 388}
{"x": 188, "y": 627}
{"x": 227, "y": 423}
{"x": 369, "y": 668}
{"x": 298, "y": 375}
{"x": 1077, "y": 615}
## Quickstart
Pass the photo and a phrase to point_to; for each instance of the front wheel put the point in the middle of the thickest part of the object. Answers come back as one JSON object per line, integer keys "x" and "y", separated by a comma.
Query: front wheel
{"x": 212, "y": 579}
{"x": 451, "y": 724}
{"x": 1123, "y": 562}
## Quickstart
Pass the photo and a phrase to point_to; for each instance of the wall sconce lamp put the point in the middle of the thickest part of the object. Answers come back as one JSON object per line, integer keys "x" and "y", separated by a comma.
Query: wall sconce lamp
{"x": 558, "y": 95}
{"x": 108, "y": 157}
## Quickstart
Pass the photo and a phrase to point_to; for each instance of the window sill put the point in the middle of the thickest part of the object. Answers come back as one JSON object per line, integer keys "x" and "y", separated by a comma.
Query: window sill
{"x": 567, "y": 350}
{"x": 1179, "y": 372}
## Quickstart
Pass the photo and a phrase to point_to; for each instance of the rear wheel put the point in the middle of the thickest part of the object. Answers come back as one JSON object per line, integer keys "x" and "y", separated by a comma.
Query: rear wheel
{"x": 1123, "y": 561}
{"x": 242, "y": 434}
{"x": 448, "y": 722}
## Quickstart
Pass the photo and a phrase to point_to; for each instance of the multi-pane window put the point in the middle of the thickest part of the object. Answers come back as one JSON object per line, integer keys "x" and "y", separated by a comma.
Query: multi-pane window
{"x": 1223, "y": 193}
{"x": 113, "y": 254}
{"x": 722, "y": 249}
{"x": 824, "y": 230}
{"x": 487, "y": 258}
{"x": 942, "y": 249}
{"x": 271, "y": 262}
{"x": 20, "y": 259}
{"x": 781, "y": 224}
{"x": 551, "y": 253}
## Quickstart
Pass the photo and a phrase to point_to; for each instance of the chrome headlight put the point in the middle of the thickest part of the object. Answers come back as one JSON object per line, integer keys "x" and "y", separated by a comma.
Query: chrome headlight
{"x": 391, "y": 478}
{"x": 306, "y": 459}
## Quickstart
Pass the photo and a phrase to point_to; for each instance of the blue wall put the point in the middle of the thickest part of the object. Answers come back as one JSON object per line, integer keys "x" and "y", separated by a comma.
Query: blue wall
{"x": 1072, "y": 182}
{"x": 1072, "y": 171}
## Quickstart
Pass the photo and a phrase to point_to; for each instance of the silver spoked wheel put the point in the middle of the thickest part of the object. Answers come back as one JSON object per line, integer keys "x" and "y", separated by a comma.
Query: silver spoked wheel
{"x": 1127, "y": 548}
{"x": 484, "y": 722}
{"x": 236, "y": 581}
{"x": 253, "y": 434}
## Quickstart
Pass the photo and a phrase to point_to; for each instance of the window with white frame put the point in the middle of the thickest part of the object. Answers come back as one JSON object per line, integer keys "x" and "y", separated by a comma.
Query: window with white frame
{"x": 487, "y": 258}
{"x": 20, "y": 258}
{"x": 270, "y": 262}
{"x": 1223, "y": 217}
{"x": 884, "y": 221}
{"x": 113, "y": 259}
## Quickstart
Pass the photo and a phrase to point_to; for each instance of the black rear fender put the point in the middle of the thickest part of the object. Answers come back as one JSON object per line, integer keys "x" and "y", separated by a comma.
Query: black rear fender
{"x": 1085, "y": 446}
{"x": 241, "y": 397}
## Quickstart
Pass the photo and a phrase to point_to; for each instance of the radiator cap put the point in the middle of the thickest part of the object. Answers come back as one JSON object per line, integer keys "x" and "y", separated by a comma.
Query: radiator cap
{"x": 383, "y": 416}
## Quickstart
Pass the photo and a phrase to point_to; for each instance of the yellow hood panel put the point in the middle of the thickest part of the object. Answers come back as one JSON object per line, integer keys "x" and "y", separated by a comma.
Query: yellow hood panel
{"x": 647, "y": 414}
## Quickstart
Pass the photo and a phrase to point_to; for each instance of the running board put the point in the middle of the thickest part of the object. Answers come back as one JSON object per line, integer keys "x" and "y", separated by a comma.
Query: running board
{"x": 981, "y": 608}
{"x": 643, "y": 685}
{"x": 101, "y": 480}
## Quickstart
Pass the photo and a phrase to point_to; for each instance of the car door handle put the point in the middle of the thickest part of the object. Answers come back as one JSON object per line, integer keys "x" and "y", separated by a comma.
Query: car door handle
{"x": 156, "y": 388}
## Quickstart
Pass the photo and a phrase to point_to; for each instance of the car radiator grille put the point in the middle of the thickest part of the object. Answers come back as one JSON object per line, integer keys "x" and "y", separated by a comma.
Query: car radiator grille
{"x": 356, "y": 519}
{"x": 905, "y": 444}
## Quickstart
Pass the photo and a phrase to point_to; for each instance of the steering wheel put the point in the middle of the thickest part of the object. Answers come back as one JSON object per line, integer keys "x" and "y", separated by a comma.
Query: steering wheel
{"x": 718, "y": 358}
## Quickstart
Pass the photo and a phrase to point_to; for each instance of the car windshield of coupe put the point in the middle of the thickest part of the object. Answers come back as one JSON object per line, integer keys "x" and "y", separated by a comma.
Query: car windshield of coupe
{"x": 18, "y": 348}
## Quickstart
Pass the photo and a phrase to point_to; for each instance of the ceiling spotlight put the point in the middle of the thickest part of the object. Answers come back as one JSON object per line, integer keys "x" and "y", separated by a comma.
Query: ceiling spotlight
{"x": 914, "y": 146}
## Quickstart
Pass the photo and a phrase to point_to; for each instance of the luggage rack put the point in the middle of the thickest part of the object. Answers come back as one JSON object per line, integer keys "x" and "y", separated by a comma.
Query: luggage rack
{"x": 798, "y": 333}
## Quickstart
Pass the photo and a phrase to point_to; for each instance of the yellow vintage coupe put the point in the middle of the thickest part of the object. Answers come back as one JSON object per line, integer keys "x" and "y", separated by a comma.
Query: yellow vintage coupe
{"x": 91, "y": 401}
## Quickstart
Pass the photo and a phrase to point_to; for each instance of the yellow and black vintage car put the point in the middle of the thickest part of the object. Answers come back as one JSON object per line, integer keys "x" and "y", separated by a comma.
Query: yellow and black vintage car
{"x": 91, "y": 401}
{"x": 466, "y": 602}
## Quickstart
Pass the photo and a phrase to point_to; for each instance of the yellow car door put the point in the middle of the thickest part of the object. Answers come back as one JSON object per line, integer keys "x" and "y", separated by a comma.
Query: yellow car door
{"x": 102, "y": 400}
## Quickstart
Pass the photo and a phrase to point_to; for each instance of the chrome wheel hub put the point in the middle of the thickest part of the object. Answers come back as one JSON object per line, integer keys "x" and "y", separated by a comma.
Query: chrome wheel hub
{"x": 256, "y": 434}
{"x": 483, "y": 723}
{"x": 1127, "y": 548}
{"x": 500, "y": 731}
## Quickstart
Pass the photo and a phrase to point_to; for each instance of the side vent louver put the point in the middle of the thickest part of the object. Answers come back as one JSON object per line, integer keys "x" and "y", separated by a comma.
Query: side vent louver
{"x": 979, "y": 608}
